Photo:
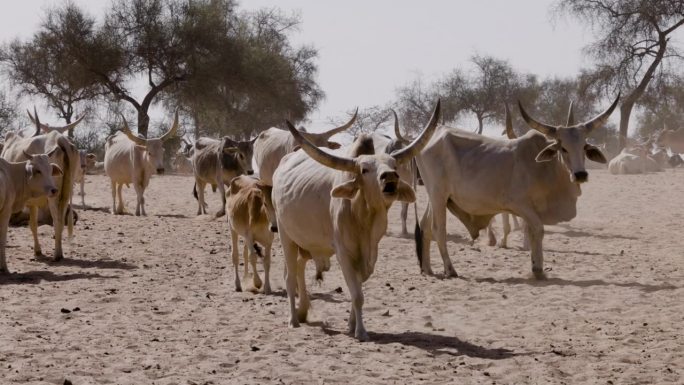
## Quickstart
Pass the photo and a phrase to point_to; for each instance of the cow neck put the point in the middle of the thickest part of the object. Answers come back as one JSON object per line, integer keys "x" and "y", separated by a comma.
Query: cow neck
{"x": 19, "y": 168}
{"x": 372, "y": 224}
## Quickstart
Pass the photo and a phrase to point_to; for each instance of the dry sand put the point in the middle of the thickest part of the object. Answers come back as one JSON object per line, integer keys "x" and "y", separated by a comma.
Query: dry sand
{"x": 157, "y": 304}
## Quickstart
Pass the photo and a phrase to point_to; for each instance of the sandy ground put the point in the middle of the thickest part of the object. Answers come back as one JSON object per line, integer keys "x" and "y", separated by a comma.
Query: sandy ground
{"x": 151, "y": 301}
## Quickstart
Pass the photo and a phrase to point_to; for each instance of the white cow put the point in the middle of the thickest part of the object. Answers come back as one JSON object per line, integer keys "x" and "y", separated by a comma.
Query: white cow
{"x": 273, "y": 144}
{"x": 17, "y": 149}
{"x": 131, "y": 159}
{"x": 86, "y": 162}
{"x": 536, "y": 177}
{"x": 330, "y": 204}
{"x": 19, "y": 182}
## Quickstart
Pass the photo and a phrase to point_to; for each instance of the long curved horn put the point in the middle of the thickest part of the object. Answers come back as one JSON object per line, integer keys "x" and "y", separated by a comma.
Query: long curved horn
{"x": 541, "y": 127}
{"x": 341, "y": 128}
{"x": 571, "y": 114}
{"x": 69, "y": 126}
{"x": 126, "y": 130}
{"x": 320, "y": 156}
{"x": 39, "y": 126}
{"x": 509, "y": 123}
{"x": 174, "y": 128}
{"x": 407, "y": 153}
{"x": 602, "y": 118}
{"x": 397, "y": 132}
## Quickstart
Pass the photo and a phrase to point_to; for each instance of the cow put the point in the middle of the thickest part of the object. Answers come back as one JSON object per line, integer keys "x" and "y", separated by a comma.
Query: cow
{"x": 273, "y": 144}
{"x": 20, "y": 182}
{"x": 217, "y": 162}
{"x": 675, "y": 160}
{"x": 86, "y": 161}
{"x": 331, "y": 204}
{"x": 249, "y": 207}
{"x": 633, "y": 160}
{"x": 536, "y": 177}
{"x": 132, "y": 159}
{"x": 64, "y": 154}
{"x": 182, "y": 161}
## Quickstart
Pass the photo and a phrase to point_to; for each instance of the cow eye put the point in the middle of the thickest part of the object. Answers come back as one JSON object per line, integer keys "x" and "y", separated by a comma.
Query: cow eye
{"x": 564, "y": 150}
{"x": 364, "y": 170}
{"x": 240, "y": 155}
{"x": 36, "y": 172}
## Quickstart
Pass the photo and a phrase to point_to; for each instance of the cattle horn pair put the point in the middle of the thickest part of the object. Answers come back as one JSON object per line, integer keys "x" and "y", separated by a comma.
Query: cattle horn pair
{"x": 348, "y": 164}
{"x": 46, "y": 128}
{"x": 140, "y": 141}
{"x": 590, "y": 125}
{"x": 324, "y": 136}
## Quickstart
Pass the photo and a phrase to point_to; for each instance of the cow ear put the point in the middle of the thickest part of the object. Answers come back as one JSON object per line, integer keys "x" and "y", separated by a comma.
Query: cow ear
{"x": 29, "y": 169}
{"x": 333, "y": 145}
{"x": 230, "y": 150}
{"x": 56, "y": 171}
{"x": 593, "y": 153}
{"x": 346, "y": 190}
{"x": 547, "y": 153}
{"x": 405, "y": 193}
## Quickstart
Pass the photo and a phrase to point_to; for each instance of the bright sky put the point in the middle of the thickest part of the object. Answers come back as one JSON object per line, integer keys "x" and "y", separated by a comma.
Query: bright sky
{"x": 369, "y": 48}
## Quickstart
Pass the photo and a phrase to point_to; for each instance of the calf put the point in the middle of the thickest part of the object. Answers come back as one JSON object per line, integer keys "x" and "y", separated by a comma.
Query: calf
{"x": 249, "y": 208}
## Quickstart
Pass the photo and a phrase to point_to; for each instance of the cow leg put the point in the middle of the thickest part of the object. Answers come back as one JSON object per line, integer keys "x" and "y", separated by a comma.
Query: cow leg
{"x": 526, "y": 237}
{"x": 440, "y": 235}
{"x": 140, "y": 199}
{"x": 516, "y": 223}
{"x": 245, "y": 257}
{"x": 114, "y": 211}
{"x": 236, "y": 258}
{"x": 424, "y": 244}
{"x": 119, "y": 190}
{"x": 491, "y": 234}
{"x": 291, "y": 252}
{"x": 256, "y": 280}
{"x": 222, "y": 191}
{"x": 304, "y": 301}
{"x": 404, "y": 216}
{"x": 58, "y": 215}
{"x": 356, "y": 293}
{"x": 535, "y": 232}
{"x": 267, "y": 269}
{"x": 200, "y": 197}
{"x": 4, "y": 225}
{"x": 33, "y": 224}
{"x": 505, "y": 219}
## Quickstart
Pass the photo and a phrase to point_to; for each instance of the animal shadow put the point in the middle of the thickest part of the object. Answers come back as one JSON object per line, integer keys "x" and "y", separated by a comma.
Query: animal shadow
{"x": 88, "y": 264}
{"x": 578, "y": 283}
{"x": 38, "y": 276}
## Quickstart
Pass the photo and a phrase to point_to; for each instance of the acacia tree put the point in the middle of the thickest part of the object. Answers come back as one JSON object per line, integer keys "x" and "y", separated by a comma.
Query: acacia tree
{"x": 414, "y": 104}
{"x": 482, "y": 91}
{"x": 42, "y": 66}
{"x": 662, "y": 106}
{"x": 368, "y": 120}
{"x": 633, "y": 40}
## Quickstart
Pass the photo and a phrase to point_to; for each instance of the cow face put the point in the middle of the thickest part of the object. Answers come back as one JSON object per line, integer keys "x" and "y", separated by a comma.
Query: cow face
{"x": 571, "y": 142}
{"x": 238, "y": 152}
{"x": 154, "y": 148}
{"x": 40, "y": 175}
{"x": 374, "y": 176}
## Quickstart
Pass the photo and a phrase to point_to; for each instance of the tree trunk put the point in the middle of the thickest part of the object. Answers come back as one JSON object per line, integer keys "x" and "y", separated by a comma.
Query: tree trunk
{"x": 67, "y": 119}
{"x": 625, "y": 112}
{"x": 480, "y": 125}
{"x": 196, "y": 119}
{"x": 143, "y": 122}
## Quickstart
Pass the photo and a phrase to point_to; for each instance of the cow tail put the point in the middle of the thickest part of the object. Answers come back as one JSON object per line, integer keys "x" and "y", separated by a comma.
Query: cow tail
{"x": 194, "y": 191}
{"x": 417, "y": 232}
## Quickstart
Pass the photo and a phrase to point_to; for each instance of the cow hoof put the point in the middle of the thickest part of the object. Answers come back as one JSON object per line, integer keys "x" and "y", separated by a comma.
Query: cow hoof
{"x": 267, "y": 290}
{"x": 238, "y": 288}
{"x": 361, "y": 336}
{"x": 220, "y": 213}
{"x": 427, "y": 272}
{"x": 257, "y": 284}
{"x": 4, "y": 271}
{"x": 539, "y": 274}
{"x": 294, "y": 323}
{"x": 451, "y": 273}
{"x": 58, "y": 257}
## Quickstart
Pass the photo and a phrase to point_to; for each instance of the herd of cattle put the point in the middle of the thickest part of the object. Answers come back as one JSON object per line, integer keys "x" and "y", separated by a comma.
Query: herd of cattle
{"x": 323, "y": 198}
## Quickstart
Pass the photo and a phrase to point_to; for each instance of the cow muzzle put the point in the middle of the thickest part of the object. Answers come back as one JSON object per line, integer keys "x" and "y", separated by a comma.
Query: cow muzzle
{"x": 581, "y": 176}
{"x": 160, "y": 171}
{"x": 52, "y": 192}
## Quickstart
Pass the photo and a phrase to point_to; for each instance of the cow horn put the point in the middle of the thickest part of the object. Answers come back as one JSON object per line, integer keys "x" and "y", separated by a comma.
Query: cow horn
{"x": 414, "y": 148}
{"x": 397, "y": 132}
{"x": 509, "y": 123}
{"x": 541, "y": 127}
{"x": 126, "y": 130}
{"x": 341, "y": 128}
{"x": 320, "y": 156}
{"x": 174, "y": 128}
{"x": 602, "y": 118}
{"x": 571, "y": 114}
{"x": 69, "y": 126}
{"x": 36, "y": 121}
